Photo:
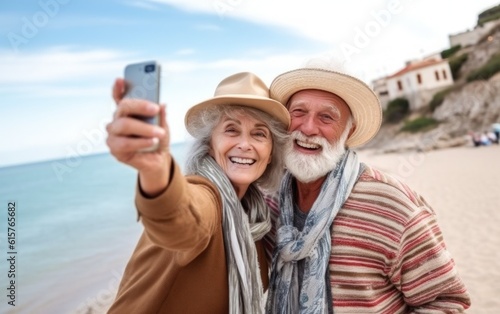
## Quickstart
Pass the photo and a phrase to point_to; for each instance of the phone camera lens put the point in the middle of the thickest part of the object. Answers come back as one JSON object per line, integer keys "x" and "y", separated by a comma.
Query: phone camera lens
{"x": 149, "y": 68}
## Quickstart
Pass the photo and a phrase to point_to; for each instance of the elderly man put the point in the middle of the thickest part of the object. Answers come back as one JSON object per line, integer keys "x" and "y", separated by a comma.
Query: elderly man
{"x": 349, "y": 238}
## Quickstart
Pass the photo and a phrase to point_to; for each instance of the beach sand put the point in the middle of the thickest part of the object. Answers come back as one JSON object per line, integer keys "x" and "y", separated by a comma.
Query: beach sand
{"x": 463, "y": 186}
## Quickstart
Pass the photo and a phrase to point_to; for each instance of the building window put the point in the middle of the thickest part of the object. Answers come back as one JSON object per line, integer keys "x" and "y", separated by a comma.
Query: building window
{"x": 444, "y": 75}
{"x": 419, "y": 78}
{"x": 437, "y": 75}
{"x": 400, "y": 86}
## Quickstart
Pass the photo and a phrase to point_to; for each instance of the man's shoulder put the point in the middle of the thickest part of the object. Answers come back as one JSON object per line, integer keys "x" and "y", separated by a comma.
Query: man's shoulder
{"x": 371, "y": 173}
{"x": 376, "y": 176}
{"x": 383, "y": 185}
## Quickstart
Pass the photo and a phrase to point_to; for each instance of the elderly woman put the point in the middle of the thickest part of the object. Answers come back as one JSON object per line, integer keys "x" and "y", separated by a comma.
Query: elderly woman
{"x": 201, "y": 249}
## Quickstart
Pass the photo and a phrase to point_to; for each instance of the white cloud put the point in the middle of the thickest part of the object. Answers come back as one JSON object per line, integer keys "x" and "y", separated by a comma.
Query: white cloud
{"x": 399, "y": 29}
{"x": 58, "y": 64}
{"x": 327, "y": 21}
{"x": 50, "y": 91}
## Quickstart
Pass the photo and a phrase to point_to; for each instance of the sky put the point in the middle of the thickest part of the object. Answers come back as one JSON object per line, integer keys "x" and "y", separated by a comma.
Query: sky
{"x": 59, "y": 58}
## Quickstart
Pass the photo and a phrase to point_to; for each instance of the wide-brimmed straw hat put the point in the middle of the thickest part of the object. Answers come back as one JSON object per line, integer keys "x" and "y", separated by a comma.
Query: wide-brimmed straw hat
{"x": 364, "y": 104}
{"x": 241, "y": 89}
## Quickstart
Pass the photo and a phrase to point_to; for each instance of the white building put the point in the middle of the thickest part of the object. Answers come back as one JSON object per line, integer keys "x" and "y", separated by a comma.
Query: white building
{"x": 379, "y": 86}
{"x": 418, "y": 81}
{"x": 472, "y": 37}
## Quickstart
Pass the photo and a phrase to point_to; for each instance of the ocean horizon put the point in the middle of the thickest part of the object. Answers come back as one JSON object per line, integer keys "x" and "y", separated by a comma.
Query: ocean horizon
{"x": 75, "y": 228}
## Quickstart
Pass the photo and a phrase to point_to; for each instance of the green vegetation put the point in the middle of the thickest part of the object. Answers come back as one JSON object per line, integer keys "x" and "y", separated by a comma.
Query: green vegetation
{"x": 396, "y": 110}
{"x": 445, "y": 54}
{"x": 438, "y": 98}
{"x": 488, "y": 15}
{"x": 419, "y": 124}
{"x": 456, "y": 63}
{"x": 487, "y": 70}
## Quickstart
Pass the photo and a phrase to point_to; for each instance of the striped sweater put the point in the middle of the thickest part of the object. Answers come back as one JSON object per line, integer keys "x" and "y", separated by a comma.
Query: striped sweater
{"x": 388, "y": 253}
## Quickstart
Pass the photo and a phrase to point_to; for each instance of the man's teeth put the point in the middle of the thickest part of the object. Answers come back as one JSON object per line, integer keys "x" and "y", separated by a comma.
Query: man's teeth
{"x": 239, "y": 160}
{"x": 308, "y": 145}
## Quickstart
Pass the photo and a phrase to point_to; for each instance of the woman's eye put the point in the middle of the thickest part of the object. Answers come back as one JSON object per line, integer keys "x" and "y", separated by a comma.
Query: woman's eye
{"x": 261, "y": 134}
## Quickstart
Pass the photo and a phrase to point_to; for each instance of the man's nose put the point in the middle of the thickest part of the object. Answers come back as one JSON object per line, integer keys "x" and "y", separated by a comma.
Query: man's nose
{"x": 308, "y": 126}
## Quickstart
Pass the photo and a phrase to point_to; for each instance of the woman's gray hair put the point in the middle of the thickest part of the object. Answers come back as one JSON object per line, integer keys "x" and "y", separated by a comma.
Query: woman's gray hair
{"x": 209, "y": 118}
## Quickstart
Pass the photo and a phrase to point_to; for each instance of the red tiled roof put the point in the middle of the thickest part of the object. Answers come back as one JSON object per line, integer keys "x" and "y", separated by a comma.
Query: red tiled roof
{"x": 416, "y": 66}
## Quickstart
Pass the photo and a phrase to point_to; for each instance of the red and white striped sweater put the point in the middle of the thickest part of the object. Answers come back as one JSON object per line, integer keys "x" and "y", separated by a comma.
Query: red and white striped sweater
{"x": 388, "y": 253}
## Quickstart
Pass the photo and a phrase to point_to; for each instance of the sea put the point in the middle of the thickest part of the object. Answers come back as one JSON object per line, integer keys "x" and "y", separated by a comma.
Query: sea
{"x": 73, "y": 226}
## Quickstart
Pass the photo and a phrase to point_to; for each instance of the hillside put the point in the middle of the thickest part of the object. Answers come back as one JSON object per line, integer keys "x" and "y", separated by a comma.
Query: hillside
{"x": 467, "y": 106}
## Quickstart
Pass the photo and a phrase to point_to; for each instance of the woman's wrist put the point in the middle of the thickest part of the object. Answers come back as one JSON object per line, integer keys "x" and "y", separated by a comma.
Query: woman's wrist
{"x": 153, "y": 183}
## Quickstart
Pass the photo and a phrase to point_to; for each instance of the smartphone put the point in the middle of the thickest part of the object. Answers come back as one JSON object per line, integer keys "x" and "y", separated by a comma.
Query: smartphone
{"x": 142, "y": 81}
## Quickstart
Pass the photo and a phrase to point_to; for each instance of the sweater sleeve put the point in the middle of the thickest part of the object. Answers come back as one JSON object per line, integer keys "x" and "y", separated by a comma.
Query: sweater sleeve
{"x": 184, "y": 217}
{"x": 425, "y": 272}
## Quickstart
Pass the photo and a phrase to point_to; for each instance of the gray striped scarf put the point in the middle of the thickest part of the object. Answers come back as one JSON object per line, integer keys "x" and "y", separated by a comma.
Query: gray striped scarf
{"x": 312, "y": 244}
{"x": 240, "y": 230}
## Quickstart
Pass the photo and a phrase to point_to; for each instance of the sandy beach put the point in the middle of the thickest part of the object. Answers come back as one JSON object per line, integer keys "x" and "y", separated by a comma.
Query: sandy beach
{"x": 463, "y": 186}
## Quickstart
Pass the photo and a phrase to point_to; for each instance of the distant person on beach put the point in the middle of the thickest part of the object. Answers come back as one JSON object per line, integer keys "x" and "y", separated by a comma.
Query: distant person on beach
{"x": 475, "y": 138}
{"x": 348, "y": 238}
{"x": 485, "y": 139}
{"x": 201, "y": 249}
{"x": 492, "y": 137}
{"x": 496, "y": 130}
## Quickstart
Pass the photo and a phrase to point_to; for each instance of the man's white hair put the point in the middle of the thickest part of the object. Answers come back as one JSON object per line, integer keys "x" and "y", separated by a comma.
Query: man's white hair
{"x": 326, "y": 63}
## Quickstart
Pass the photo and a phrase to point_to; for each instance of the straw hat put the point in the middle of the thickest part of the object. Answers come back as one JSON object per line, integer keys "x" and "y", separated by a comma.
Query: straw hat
{"x": 364, "y": 104}
{"x": 241, "y": 89}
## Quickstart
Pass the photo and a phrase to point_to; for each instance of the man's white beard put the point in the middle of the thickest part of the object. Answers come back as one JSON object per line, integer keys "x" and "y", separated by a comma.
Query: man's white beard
{"x": 307, "y": 168}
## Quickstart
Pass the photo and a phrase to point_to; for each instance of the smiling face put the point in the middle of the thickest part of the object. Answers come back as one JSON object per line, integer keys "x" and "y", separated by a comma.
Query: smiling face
{"x": 320, "y": 126}
{"x": 242, "y": 147}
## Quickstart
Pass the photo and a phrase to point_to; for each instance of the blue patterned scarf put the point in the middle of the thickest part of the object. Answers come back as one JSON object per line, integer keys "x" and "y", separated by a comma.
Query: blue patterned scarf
{"x": 312, "y": 244}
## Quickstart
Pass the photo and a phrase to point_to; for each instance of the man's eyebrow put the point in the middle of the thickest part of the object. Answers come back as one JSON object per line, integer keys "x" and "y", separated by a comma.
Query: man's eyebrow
{"x": 331, "y": 108}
